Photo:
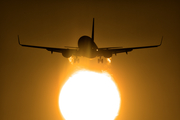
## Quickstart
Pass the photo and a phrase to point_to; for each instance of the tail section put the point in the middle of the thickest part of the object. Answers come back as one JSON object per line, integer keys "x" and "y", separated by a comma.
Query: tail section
{"x": 93, "y": 30}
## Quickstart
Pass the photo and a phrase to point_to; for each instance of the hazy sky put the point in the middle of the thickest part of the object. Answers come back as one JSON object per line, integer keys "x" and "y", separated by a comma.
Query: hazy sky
{"x": 148, "y": 79}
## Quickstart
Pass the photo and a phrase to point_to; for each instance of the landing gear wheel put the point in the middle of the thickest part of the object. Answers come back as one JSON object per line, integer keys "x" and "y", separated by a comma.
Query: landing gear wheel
{"x": 101, "y": 60}
{"x": 77, "y": 60}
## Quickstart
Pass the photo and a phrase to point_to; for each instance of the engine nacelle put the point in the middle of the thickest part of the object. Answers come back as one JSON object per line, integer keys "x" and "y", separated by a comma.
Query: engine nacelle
{"x": 107, "y": 54}
{"x": 66, "y": 54}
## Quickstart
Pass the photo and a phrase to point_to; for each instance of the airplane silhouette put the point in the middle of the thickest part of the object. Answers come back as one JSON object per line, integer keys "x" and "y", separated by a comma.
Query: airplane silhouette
{"x": 88, "y": 48}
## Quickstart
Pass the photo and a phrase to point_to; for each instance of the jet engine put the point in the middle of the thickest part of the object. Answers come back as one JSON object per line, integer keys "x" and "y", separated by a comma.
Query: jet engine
{"x": 66, "y": 54}
{"x": 107, "y": 54}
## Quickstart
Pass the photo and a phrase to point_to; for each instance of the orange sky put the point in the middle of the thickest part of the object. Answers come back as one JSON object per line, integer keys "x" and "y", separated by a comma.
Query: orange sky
{"x": 148, "y": 79}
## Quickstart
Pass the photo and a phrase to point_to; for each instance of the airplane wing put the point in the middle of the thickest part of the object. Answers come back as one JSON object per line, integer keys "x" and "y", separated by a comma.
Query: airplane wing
{"x": 52, "y": 49}
{"x": 116, "y": 50}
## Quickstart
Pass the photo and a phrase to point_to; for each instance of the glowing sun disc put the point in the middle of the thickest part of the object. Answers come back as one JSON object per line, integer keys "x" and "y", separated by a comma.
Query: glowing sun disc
{"x": 89, "y": 95}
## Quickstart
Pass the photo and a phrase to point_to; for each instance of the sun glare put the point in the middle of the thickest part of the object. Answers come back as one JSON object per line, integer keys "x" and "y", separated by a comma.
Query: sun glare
{"x": 109, "y": 60}
{"x": 89, "y": 95}
{"x": 71, "y": 60}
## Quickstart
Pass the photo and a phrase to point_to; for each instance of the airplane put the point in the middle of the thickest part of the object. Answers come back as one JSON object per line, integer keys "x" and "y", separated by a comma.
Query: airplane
{"x": 88, "y": 48}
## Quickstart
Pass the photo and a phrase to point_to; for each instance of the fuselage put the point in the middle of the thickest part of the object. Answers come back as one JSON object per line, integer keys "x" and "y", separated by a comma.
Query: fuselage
{"x": 87, "y": 47}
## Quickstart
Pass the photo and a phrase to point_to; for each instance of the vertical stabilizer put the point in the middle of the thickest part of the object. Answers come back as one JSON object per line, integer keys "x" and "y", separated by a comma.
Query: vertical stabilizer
{"x": 93, "y": 30}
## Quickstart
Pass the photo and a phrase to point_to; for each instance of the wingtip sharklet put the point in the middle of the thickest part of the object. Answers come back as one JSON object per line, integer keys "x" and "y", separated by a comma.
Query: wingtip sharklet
{"x": 19, "y": 40}
{"x": 161, "y": 41}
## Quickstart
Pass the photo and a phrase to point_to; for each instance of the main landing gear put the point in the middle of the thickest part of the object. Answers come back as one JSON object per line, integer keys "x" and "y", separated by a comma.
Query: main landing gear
{"x": 76, "y": 60}
{"x": 100, "y": 60}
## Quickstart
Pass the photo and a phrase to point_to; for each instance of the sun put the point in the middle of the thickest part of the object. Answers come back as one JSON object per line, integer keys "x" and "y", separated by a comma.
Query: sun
{"x": 89, "y": 95}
